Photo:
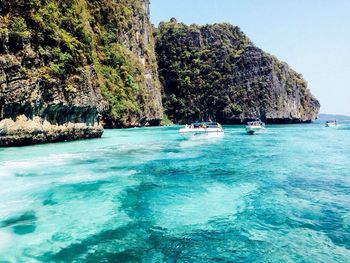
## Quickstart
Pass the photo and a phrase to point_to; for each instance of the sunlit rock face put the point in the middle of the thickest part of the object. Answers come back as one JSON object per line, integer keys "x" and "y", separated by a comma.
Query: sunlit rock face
{"x": 216, "y": 72}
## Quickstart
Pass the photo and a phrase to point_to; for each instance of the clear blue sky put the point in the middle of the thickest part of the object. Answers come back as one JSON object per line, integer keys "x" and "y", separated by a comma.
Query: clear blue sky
{"x": 312, "y": 36}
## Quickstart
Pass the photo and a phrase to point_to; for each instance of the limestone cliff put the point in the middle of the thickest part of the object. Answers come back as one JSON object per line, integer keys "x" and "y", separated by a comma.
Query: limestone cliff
{"x": 71, "y": 63}
{"x": 68, "y": 61}
{"x": 216, "y": 72}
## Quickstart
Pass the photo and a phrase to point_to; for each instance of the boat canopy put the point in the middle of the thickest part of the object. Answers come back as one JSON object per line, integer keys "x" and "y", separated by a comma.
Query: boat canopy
{"x": 252, "y": 123}
{"x": 204, "y": 123}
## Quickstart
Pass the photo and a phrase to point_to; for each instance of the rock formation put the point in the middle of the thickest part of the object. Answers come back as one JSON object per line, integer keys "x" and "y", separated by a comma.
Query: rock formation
{"x": 67, "y": 61}
{"x": 65, "y": 65}
{"x": 26, "y": 131}
{"x": 216, "y": 72}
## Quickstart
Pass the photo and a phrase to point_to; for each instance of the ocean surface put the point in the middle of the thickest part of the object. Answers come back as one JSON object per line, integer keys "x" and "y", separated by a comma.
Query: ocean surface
{"x": 149, "y": 195}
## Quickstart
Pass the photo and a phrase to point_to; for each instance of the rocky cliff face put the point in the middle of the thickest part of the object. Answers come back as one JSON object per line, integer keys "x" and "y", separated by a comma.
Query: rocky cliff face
{"x": 216, "y": 72}
{"x": 72, "y": 60}
{"x": 80, "y": 61}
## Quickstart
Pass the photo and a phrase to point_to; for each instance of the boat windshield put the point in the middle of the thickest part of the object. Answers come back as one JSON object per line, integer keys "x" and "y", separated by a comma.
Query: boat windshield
{"x": 255, "y": 123}
{"x": 205, "y": 125}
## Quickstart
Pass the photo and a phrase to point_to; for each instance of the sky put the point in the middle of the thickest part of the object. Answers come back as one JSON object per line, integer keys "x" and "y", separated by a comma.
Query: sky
{"x": 312, "y": 36}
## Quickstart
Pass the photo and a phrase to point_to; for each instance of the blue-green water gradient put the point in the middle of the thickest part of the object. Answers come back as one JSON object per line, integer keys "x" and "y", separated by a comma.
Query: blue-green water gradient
{"x": 149, "y": 195}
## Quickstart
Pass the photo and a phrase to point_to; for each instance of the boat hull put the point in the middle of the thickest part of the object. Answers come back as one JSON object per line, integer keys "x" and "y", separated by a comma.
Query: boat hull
{"x": 254, "y": 129}
{"x": 208, "y": 132}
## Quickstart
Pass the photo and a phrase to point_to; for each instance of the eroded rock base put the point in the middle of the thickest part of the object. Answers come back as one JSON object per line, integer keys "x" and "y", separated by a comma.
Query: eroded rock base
{"x": 24, "y": 131}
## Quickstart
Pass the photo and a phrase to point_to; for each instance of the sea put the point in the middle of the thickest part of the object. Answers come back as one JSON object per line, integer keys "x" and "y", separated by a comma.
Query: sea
{"x": 150, "y": 195}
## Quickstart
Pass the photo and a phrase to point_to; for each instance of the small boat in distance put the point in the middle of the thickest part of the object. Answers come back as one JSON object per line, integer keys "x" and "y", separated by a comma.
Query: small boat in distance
{"x": 254, "y": 127}
{"x": 202, "y": 128}
{"x": 331, "y": 123}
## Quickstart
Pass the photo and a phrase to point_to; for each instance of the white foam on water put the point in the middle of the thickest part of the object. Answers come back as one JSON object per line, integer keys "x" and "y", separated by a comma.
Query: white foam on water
{"x": 10, "y": 168}
{"x": 199, "y": 141}
{"x": 5, "y": 240}
{"x": 15, "y": 205}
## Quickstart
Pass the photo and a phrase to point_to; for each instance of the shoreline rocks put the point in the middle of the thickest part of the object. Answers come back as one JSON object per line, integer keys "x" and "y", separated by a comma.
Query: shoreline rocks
{"x": 26, "y": 131}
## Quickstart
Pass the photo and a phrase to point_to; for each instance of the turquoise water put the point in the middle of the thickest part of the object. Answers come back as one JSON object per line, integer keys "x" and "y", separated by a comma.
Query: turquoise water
{"x": 148, "y": 195}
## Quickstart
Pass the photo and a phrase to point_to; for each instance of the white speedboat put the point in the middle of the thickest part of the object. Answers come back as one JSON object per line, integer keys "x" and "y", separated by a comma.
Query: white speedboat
{"x": 254, "y": 127}
{"x": 331, "y": 123}
{"x": 202, "y": 128}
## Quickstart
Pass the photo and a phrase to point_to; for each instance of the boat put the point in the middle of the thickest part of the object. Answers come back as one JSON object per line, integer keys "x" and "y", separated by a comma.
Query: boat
{"x": 331, "y": 123}
{"x": 202, "y": 128}
{"x": 254, "y": 127}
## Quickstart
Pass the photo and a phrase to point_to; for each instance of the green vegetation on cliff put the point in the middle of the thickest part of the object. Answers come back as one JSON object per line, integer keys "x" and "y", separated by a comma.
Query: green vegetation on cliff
{"x": 71, "y": 60}
{"x": 216, "y": 72}
{"x": 112, "y": 36}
